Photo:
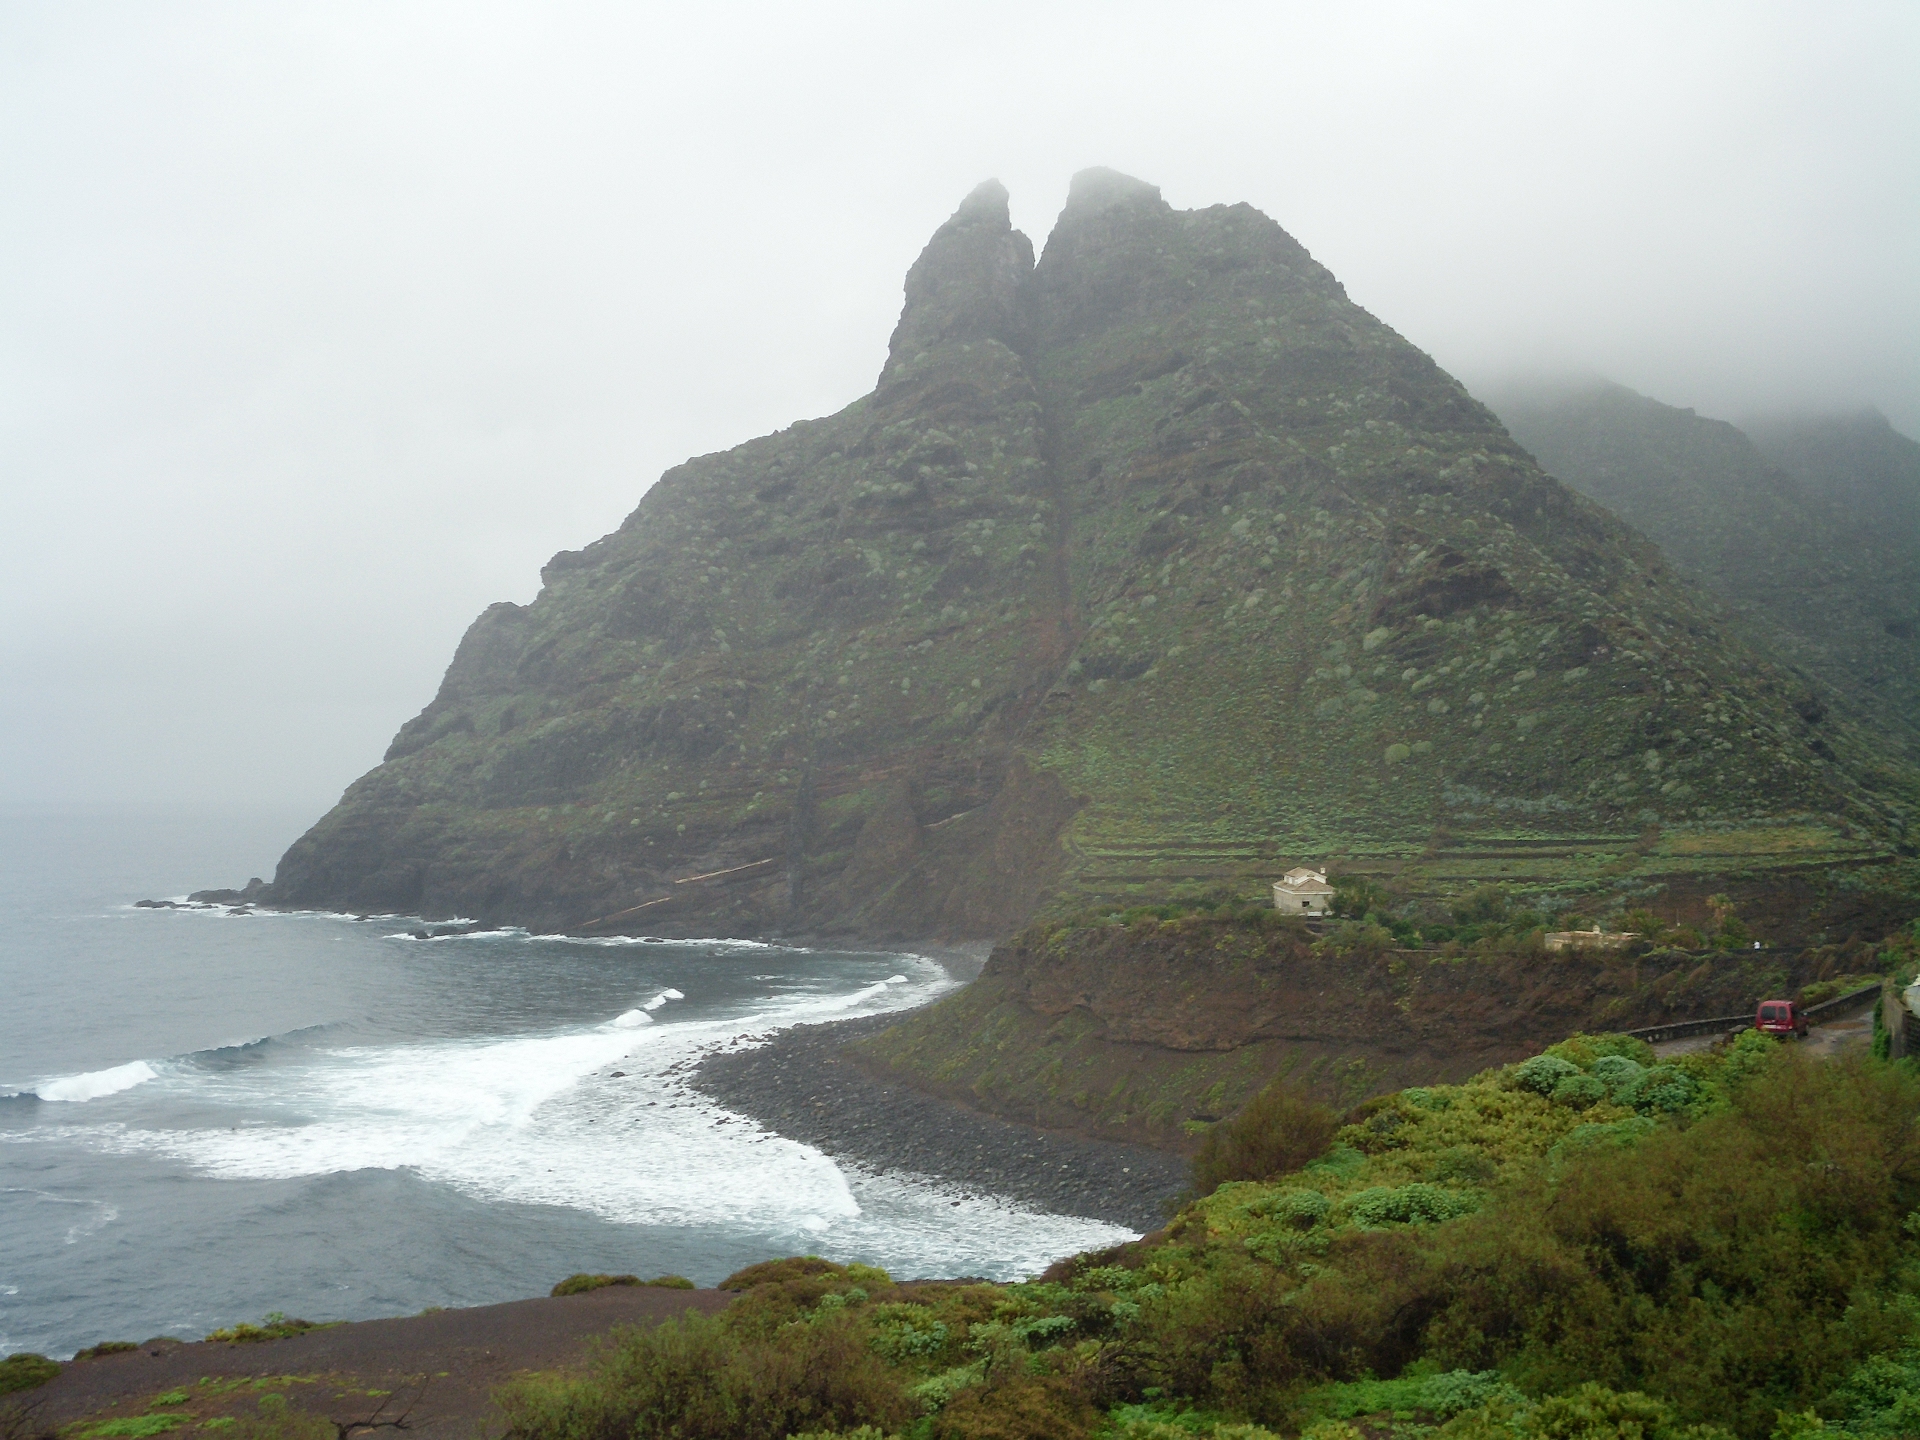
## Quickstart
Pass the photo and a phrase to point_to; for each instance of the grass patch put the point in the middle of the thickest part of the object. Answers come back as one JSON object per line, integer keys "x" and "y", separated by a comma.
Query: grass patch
{"x": 26, "y": 1371}
{"x": 275, "y": 1326}
{"x": 105, "y": 1347}
{"x": 133, "y": 1427}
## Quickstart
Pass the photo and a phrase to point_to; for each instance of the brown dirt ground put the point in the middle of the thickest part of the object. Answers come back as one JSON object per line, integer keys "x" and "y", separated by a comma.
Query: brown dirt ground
{"x": 437, "y": 1370}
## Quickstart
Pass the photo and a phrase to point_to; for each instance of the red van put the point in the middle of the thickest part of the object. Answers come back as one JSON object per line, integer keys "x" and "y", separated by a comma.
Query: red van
{"x": 1780, "y": 1017}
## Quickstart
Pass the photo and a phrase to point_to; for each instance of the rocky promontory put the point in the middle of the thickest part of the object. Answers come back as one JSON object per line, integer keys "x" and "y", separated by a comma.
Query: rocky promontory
{"x": 1149, "y": 562}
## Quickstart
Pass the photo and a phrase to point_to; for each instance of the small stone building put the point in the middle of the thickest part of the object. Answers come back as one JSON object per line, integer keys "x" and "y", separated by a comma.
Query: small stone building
{"x": 1594, "y": 939}
{"x": 1302, "y": 891}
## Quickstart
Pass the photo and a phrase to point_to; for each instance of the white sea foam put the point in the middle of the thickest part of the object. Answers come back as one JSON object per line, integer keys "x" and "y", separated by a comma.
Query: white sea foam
{"x": 221, "y": 909}
{"x": 95, "y": 1083}
{"x": 712, "y": 942}
{"x": 544, "y": 1119}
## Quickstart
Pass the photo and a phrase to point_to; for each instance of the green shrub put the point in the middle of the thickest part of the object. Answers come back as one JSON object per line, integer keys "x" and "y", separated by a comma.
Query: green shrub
{"x": 1045, "y": 1408}
{"x": 1543, "y": 1072}
{"x": 1440, "y": 1396}
{"x": 1736, "y": 1266}
{"x": 1620, "y": 1134}
{"x": 906, "y": 1334}
{"x": 1449, "y": 1394}
{"x": 1580, "y": 1092}
{"x": 1592, "y": 1412}
{"x": 776, "y": 1272}
{"x": 1664, "y": 1088}
{"x": 1301, "y": 1208}
{"x": 1589, "y": 1051}
{"x": 1463, "y": 1164}
{"x": 1617, "y": 1072}
{"x": 692, "y": 1378}
{"x": 1415, "y": 1204}
{"x": 105, "y": 1347}
{"x": 133, "y": 1427}
{"x": 1279, "y": 1130}
{"x": 275, "y": 1326}
{"x": 1880, "y": 1398}
{"x": 25, "y": 1370}
{"x": 581, "y": 1282}
{"x": 936, "y": 1391}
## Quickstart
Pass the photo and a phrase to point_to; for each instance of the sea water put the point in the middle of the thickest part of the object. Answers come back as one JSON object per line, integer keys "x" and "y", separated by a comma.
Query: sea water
{"x": 207, "y": 1116}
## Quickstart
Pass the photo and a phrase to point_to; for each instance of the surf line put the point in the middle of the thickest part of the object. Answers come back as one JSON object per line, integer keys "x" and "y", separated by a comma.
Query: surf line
{"x": 687, "y": 880}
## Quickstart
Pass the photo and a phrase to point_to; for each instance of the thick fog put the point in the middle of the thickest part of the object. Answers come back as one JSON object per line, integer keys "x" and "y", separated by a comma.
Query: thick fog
{"x": 322, "y": 325}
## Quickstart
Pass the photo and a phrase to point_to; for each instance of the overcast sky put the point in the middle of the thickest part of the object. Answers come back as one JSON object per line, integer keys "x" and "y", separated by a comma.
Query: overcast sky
{"x": 323, "y": 325}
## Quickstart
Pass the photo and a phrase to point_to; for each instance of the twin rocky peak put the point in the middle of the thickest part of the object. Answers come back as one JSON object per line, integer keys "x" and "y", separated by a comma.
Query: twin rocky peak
{"x": 1154, "y": 565}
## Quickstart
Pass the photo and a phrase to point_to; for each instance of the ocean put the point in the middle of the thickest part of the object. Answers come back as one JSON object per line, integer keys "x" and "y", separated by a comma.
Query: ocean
{"x": 206, "y": 1117}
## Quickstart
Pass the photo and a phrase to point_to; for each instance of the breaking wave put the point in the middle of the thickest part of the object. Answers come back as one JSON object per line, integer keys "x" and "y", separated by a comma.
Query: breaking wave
{"x": 96, "y": 1083}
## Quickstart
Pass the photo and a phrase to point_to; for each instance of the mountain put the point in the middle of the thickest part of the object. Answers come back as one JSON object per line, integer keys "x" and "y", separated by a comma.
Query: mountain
{"x": 1153, "y": 564}
{"x": 1857, "y": 461}
{"x": 1812, "y": 540}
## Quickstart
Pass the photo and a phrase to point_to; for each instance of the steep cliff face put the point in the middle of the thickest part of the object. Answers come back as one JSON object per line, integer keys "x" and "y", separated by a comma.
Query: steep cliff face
{"x": 1155, "y": 561}
{"x": 1813, "y": 543}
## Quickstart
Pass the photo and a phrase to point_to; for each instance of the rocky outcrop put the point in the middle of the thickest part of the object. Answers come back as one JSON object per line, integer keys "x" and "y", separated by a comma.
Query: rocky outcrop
{"x": 1153, "y": 562}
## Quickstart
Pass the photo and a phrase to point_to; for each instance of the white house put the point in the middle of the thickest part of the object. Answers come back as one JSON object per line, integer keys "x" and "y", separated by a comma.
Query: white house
{"x": 1302, "y": 891}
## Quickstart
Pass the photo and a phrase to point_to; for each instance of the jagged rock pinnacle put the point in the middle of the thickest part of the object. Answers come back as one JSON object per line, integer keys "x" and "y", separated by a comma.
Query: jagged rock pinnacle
{"x": 1099, "y": 188}
{"x": 1155, "y": 552}
{"x": 967, "y": 283}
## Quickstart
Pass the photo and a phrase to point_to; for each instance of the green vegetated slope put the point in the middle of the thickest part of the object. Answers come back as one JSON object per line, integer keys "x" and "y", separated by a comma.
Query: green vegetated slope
{"x": 1812, "y": 542}
{"x": 1148, "y": 1029}
{"x": 1156, "y": 561}
{"x": 1591, "y": 1244}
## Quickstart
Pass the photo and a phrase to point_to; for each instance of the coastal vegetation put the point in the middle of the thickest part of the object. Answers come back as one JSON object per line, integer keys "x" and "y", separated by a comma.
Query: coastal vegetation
{"x": 276, "y": 1326}
{"x": 24, "y": 1370}
{"x": 1591, "y": 1243}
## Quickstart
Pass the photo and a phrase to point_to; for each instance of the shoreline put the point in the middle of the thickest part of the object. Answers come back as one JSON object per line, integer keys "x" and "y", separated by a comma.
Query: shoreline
{"x": 800, "y": 1084}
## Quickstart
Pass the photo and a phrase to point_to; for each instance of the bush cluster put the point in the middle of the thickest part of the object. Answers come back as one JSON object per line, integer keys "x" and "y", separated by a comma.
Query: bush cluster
{"x": 24, "y": 1370}
{"x": 1590, "y": 1244}
{"x": 275, "y": 1326}
{"x": 582, "y": 1281}
{"x": 1278, "y": 1131}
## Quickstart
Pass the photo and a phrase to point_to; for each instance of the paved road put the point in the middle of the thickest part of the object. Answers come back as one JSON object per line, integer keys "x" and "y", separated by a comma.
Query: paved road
{"x": 1835, "y": 1035}
{"x": 1842, "y": 1033}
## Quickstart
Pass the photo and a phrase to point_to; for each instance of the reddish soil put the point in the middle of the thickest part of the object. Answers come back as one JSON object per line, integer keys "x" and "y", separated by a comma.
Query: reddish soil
{"x": 439, "y": 1370}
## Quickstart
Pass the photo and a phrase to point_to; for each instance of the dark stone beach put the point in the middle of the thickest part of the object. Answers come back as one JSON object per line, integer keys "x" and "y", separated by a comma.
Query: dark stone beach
{"x": 801, "y": 1084}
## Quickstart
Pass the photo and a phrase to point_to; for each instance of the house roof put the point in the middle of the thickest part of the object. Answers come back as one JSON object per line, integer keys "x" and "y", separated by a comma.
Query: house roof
{"x": 1304, "y": 887}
